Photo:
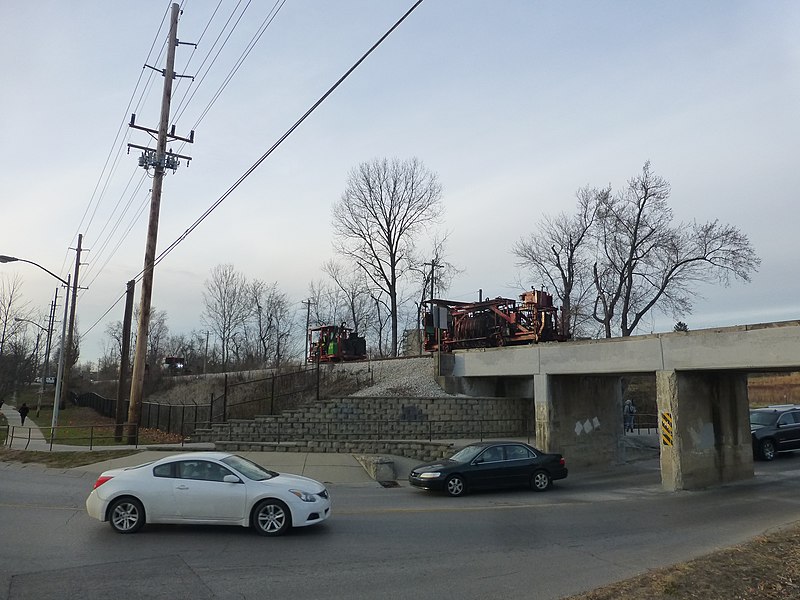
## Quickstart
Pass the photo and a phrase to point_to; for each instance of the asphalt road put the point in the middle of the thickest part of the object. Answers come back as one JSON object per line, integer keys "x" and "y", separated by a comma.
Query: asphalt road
{"x": 590, "y": 529}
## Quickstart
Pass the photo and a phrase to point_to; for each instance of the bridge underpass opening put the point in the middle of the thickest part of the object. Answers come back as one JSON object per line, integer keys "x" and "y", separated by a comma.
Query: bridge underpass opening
{"x": 703, "y": 437}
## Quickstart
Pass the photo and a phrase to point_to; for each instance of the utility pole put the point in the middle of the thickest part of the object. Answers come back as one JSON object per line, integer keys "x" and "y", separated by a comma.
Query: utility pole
{"x": 308, "y": 322}
{"x": 61, "y": 361}
{"x": 46, "y": 367}
{"x": 71, "y": 331}
{"x": 205, "y": 355}
{"x": 125, "y": 352}
{"x": 160, "y": 160}
{"x": 433, "y": 264}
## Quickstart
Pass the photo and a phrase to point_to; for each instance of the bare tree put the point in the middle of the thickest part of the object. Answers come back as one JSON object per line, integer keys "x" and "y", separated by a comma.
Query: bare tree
{"x": 385, "y": 205}
{"x": 379, "y": 323}
{"x": 558, "y": 254}
{"x": 327, "y": 303}
{"x": 644, "y": 262}
{"x": 13, "y": 346}
{"x": 274, "y": 320}
{"x": 623, "y": 255}
{"x": 190, "y": 347}
{"x": 227, "y": 306}
{"x": 12, "y": 306}
{"x": 354, "y": 290}
{"x": 114, "y": 334}
{"x": 432, "y": 278}
{"x": 157, "y": 335}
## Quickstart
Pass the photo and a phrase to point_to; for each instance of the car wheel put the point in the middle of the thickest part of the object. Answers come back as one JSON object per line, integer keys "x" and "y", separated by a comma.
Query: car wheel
{"x": 767, "y": 449}
{"x": 271, "y": 517}
{"x": 126, "y": 515}
{"x": 540, "y": 481}
{"x": 455, "y": 486}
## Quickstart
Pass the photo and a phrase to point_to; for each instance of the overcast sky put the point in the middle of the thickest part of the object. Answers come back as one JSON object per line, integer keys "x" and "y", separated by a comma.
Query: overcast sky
{"x": 515, "y": 104}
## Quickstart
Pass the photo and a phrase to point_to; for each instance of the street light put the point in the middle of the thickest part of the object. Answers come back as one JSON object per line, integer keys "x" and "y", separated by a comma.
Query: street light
{"x": 8, "y": 259}
{"x": 46, "y": 364}
{"x": 60, "y": 374}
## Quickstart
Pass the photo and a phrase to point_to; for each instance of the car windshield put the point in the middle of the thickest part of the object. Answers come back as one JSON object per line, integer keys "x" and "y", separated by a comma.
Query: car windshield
{"x": 249, "y": 469}
{"x": 467, "y": 453}
{"x": 762, "y": 418}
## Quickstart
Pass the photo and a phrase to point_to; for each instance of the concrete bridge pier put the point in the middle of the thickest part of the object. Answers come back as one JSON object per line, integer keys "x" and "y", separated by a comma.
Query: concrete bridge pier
{"x": 704, "y": 428}
{"x": 579, "y": 416}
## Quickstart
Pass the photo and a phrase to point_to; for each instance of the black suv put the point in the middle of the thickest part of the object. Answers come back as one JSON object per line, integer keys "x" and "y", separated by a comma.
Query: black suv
{"x": 775, "y": 429}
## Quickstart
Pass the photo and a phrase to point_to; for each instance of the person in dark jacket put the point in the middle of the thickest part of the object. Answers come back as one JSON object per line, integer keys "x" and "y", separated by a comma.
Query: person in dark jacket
{"x": 23, "y": 412}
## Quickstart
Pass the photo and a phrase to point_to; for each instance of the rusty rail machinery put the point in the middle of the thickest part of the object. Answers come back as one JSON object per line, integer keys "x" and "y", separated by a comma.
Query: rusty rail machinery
{"x": 329, "y": 343}
{"x": 492, "y": 322}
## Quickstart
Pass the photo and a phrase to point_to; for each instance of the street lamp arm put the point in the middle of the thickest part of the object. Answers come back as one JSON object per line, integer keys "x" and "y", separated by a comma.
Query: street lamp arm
{"x": 8, "y": 259}
{"x": 32, "y": 323}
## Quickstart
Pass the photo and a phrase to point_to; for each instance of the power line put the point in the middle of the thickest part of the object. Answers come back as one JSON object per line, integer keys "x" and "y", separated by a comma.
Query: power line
{"x": 181, "y": 105}
{"x": 272, "y": 148}
{"x": 123, "y": 125}
{"x": 145, "y": 91}
{"x": 253, "y": 41}
{"x": 280, "y": 140}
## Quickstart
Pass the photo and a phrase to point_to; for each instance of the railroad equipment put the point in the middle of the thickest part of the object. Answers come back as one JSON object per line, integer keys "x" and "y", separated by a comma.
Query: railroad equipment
{"x": 331, "y": 343}
{"x": 492, "y": 322}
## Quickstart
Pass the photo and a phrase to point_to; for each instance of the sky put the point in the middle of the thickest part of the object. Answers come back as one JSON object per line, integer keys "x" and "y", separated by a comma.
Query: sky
{"x": 514, "y": 104}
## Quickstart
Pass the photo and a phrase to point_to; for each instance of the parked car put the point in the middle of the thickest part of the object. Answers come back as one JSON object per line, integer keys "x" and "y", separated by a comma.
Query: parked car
{"x": 490, "y": 465}
{"x": 775, "y": 429}
{"x": 214, "y": 488}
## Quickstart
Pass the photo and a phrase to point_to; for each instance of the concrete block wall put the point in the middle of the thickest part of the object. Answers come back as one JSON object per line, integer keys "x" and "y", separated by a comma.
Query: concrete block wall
{"x": 382, "y": 418}
{"x": 420, "y": 450}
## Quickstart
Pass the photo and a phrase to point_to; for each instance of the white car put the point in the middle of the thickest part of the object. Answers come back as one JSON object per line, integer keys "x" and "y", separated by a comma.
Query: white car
{"x": 214, "y": 488}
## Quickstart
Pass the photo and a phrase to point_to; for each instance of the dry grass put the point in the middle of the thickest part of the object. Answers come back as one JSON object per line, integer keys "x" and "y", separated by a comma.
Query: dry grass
{"x": 61, "y": 460}
{"x": 767, "y": 568}
{"x": 773, "y": 388}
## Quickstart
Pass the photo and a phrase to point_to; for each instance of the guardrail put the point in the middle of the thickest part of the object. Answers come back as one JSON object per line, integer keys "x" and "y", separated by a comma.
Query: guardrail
{"x": 645, "y": 421}
{"x": 98, "y": 436}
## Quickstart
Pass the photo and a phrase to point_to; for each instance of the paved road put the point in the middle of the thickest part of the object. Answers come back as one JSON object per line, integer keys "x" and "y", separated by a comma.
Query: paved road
{"x": 593, "y": 528}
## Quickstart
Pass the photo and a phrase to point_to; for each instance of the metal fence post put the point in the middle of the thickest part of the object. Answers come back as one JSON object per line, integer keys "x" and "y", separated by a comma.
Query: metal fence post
{"x": 225, "y": 401}
{"x": 272, "y": 396}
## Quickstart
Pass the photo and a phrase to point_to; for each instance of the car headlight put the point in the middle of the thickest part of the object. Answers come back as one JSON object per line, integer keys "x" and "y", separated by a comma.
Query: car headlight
{"x": 430, "y": 475}
{"x": 304, "y": 496}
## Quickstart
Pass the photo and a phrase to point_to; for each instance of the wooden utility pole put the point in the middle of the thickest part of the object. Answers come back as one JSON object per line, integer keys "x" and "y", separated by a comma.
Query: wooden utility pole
{"x": 46, "y": 367}
{"x": 124, "y": 359}
{"x": 160, "y": 160}
{"x": 71, "y": 331}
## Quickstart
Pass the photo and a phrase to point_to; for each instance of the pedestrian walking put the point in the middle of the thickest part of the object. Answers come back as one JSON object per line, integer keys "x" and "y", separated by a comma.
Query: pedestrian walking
{"x": 628, "y": 413}
{"x": 23, "y": 412}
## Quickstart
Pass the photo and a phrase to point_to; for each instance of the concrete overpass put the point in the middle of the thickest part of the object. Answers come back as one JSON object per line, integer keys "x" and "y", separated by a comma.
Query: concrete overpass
{"x": 701, "y": 393}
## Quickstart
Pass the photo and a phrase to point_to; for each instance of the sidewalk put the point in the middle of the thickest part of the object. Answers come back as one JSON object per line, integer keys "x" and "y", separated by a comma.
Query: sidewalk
{"x": 328, "y": 468}
{"x": 27, "y": 437}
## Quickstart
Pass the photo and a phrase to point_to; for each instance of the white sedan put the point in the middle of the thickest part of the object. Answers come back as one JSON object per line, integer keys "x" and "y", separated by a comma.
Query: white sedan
{"x": 214, "y": 488}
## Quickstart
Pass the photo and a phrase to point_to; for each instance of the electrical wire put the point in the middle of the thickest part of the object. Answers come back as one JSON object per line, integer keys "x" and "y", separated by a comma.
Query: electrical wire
{"x": 146, "y": 90}
{"x": 113, "y": 145}
{"x": 200, "y": 78}
{"x": 272, "y": 149}
{"x": 254, "y": 40}
{"x": 280, "y": 140}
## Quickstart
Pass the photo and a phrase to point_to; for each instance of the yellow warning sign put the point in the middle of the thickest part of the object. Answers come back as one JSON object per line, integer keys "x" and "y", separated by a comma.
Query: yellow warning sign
{"x": 666, "y": 428}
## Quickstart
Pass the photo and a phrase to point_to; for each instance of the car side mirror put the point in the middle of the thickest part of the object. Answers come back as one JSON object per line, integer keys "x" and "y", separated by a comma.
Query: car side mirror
{"x": 231, "y": 479}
